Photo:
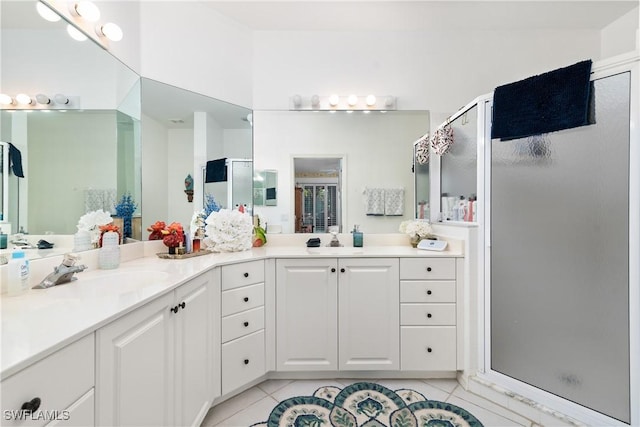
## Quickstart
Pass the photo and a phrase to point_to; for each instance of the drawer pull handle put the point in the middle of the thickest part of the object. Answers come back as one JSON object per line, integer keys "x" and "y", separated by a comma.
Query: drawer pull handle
{"x": 333, "y": 270}
{"x": 246, "y": 324}
{"x": 429, "y": 315}
{"x": 429, "y": 292}
{"x": 428, "y": 268}
{"x": 429, "y": 350}
{"x": 182, "y": 304}
{"x": 246, "y": 299}
{"x": 246, "y": 361}
{"x": 246, "y": 274}
{"x": 31, "y": 405}
{"x": 175, "y": 309}
{"x": 342, "y": 270}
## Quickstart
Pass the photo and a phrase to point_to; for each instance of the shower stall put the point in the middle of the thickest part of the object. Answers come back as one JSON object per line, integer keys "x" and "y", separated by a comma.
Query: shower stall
{"x": 561, "y": 294}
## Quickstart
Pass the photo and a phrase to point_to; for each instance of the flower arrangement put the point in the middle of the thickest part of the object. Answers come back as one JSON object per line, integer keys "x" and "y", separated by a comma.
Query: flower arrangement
{"x": 91, "y": 222}
{"x": 228, "y": 231}
{"x": 171, "y": 235}
{"x": 414, "y": 227}
{"x": 156, "y": 230}
{"x": 125, "y": 210}
{"x": 210, "y": 205}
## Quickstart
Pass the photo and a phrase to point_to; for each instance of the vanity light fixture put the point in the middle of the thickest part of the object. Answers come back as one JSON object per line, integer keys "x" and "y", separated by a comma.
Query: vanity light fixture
{"x": 352, "y": 100}
{"x": 371, "y": 100}
{"x": 110, "y": 30}
{"x": 87, "y": 10}
{"x": 24, "y": 99}
{"x": 46, "y": 13}
{"x": 43, "y": 99}
{"x": 389, "y": 101}
{"x": 315, "y": 101}
{"x": 6, "y": 99}
{"x": 75, "y": 33}
{"x": 297, "y": 101}
{"x": 61, "y": 99}
{"x": 335, "y": 102}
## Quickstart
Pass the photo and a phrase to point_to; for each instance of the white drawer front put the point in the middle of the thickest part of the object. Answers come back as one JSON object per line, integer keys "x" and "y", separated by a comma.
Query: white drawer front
{"x": 427, "y": 291}
{"x": 80, "y": 413}
{"x": 58, "y": 381}
{"x": 243, "y": 323}
{"x": 427, "y": 268}
{"x": 243, "y": 360}
{"x": 427, "y": 314}
{"x": 428, "y": 348}
{"x": 240, "y": 299}
{"x": 246, "y": 273}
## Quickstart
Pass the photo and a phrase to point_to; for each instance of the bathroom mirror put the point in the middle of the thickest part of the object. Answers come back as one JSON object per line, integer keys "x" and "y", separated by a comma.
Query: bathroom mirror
{"x": 70, "y": 151}
{"x": 376, "y": 151}
{"x": 265, "y": 186}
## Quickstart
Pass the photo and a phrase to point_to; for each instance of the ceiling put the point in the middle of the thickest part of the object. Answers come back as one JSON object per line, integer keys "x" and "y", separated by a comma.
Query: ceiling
{"x": 397, "y": 15}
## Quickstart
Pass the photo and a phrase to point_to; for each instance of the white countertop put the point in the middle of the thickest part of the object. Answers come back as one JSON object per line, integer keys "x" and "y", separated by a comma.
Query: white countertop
{"x": 41, "y": 321}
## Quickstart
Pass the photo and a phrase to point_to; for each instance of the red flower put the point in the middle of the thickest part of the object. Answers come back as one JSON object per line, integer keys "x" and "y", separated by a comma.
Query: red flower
{"x": 156, "y": 230}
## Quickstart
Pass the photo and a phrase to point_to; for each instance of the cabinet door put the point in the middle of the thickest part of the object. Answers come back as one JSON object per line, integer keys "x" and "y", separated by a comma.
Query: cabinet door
{"x": 194, "y": 343}
{"x": 134, "y": 384}
{"x": 369, "y": 312}
{"x": 307, "y": 314}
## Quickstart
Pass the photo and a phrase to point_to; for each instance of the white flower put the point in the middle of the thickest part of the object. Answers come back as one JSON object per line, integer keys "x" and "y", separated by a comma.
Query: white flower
{"x": 412, "y": 227}
{"x": 228, "y": 231}
{"x": 91, "y": 222}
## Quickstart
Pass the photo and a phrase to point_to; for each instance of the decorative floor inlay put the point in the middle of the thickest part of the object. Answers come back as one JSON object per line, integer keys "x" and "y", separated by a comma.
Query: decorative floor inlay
{"x": 366, "y": 404}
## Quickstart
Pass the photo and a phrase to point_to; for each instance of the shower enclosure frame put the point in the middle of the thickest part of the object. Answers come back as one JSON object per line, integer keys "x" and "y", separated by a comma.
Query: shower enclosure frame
{"x": 601, "y": 69}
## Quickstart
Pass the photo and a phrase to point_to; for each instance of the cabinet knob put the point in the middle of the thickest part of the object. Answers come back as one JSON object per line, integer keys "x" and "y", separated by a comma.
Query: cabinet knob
{"x": 175, "y": 309}
{"x": 246, "y": 274}
{"x": 342, "y": 270}
{"x": 428, "y": 268}
{"x": 429, "y": 350}
{"x": 429, "y": 315}
{"x": 246, "y": 361}
{"x": 182, "y": 304}
{"x": 246, "y": 324}
{"x": 429, "y": 292}
{"x": 333, "y": 270}
{"x": 31, "y": 405}
{"x": 246, "y": 299}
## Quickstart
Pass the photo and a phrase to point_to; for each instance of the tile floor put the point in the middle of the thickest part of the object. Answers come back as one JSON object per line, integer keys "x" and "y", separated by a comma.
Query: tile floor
{"x": 255, "y": 404}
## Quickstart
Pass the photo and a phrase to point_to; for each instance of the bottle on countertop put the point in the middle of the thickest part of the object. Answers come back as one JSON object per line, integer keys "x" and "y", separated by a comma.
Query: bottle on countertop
{"x": 18, "y": 273}
{"x": 358, "y": 237}
{"x": 3, "y": 240}
{"x": 109, "y": 255}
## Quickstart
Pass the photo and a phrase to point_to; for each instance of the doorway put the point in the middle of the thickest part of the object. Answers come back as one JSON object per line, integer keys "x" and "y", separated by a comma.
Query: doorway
{"x": 318, "y": 191}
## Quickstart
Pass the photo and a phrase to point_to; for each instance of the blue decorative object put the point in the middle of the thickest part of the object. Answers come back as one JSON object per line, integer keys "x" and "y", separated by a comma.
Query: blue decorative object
{"x": 367, "y": 404}
{"x": 210, "y": 205}
{"x": 125, "y": 210}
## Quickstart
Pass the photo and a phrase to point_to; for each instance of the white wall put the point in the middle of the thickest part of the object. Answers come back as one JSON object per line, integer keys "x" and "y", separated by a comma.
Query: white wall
{"x": 621, "y": 35}
{"x": 189, "y": 45}
{"x": 180, "y": 164}
{"x": 377, "y": 147}
{"x": 155, "y": 160}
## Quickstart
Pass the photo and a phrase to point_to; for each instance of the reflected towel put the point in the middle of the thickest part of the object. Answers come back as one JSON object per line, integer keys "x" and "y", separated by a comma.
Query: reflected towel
{"x": 216, "y": 170}
{"x": 95, "y": 199}
{"x": 15, "y": 158}
{"x": 394, "y": 201}
{"x": 374, "y": 201}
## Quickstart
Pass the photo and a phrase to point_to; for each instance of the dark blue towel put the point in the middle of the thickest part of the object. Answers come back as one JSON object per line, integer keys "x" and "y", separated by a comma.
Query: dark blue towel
{"x": 216, "y": 170}
{"x": 15, "y": 158}
{"x": 540, "y": 104}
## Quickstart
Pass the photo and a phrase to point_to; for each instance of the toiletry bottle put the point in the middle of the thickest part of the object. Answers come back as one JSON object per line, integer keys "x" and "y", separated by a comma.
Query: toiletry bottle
{"x": 18, "y": 274}
{"x": 358, "y": 237}
{"x": 109, "y": 255}
{"x": 3, "y": 240}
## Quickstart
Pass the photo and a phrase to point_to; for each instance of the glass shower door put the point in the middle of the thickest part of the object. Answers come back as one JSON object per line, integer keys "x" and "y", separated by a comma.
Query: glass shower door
{"x": 560, "y": 257}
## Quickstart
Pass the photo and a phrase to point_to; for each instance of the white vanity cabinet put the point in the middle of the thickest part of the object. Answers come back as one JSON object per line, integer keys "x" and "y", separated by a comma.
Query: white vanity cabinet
{"x": 58, "y": 388}
{"x": 243, "y": 322}
{"x": 326, "y": 304}
{"x": 428, "y": 314}
{"x": 154, "y": 365}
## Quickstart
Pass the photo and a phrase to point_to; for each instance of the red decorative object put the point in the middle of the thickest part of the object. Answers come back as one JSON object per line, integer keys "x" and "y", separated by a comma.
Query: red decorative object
{"x": 173, "y": 235}
{"x": 156, "y": 230}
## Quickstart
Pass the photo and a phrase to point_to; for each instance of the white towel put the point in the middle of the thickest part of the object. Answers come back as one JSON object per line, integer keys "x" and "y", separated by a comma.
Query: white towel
{"x": 95, "y": 199}
{"x": 394, "y": 201}
{"x": 374, "y": 201}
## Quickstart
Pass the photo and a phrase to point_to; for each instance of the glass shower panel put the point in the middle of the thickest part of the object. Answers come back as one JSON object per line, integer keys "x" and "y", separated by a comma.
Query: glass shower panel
{"x": 458, "y": 167}
{"x": 242, "y": 184}
{"x": 560, "y": 259}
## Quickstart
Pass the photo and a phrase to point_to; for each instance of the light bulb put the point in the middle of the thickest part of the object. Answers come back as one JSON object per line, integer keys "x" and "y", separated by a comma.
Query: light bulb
{"x": 87, "y": 10}
{"x": 388, "y": 102}
{"x": 75, "y": 33}
{"x": 24, "y": 99}
{"x": 111, "y": 31}
{"x": 315, "y": 100}
{"x": 5, "y": 99}
{"x": 371, "y": 100}
{"x": 352, "y": 100}
{"x": 61, "y": 99}
{"x": 43, "y": 99}
{"x": 46, "y": 13}
{"x": 297, "y": 101}
{"x": 333, "y": 100}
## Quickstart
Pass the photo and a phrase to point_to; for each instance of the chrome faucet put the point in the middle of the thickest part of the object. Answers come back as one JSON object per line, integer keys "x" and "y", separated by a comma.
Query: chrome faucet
{"x": 62, "y": 273}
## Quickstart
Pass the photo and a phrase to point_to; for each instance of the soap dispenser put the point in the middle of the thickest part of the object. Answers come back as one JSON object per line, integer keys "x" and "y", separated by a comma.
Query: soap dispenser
{"x": 357, "y": 237}
{"x": 109, "y": 256}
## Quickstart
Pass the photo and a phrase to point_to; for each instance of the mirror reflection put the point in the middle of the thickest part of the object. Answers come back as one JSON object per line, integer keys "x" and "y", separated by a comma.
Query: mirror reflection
{"x": 76, "y": 155}
{"x": 265, "y": 183}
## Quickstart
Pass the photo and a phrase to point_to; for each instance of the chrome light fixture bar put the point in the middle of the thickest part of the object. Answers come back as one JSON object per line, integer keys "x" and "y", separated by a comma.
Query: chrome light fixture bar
{"x": 335, "y": 102}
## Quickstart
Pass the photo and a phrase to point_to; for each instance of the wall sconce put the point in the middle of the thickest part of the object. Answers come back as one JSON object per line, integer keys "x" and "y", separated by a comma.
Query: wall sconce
{"x": 348, "y": 103}
{"x": 40, "y": 101}
{"x": 188, "y": 185}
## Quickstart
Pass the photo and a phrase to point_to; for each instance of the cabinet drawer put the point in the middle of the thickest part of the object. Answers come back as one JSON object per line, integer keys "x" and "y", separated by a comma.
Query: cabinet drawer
{"x": 244, "y": 298}
{"x": 243, "y": 323}
{"x": 246, "y": 273}
{"x": 428, "y": 268}
{"x": 428, "y": 348}
{"x": 58, "y": 381}
{"x": 80, "y": 413}
{"x": 427, "y": 314}
{"x": 243, "y": 360}
{"x": 427, "y": 291}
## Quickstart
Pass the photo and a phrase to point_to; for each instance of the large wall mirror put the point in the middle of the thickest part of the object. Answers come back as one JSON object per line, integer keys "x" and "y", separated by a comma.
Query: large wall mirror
{"x": 78, "y": 156}
{"x": 332, "y": 159}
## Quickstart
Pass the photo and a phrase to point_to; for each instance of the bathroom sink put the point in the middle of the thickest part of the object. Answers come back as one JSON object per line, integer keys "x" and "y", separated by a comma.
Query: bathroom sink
{"x": 342, "y": 250}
